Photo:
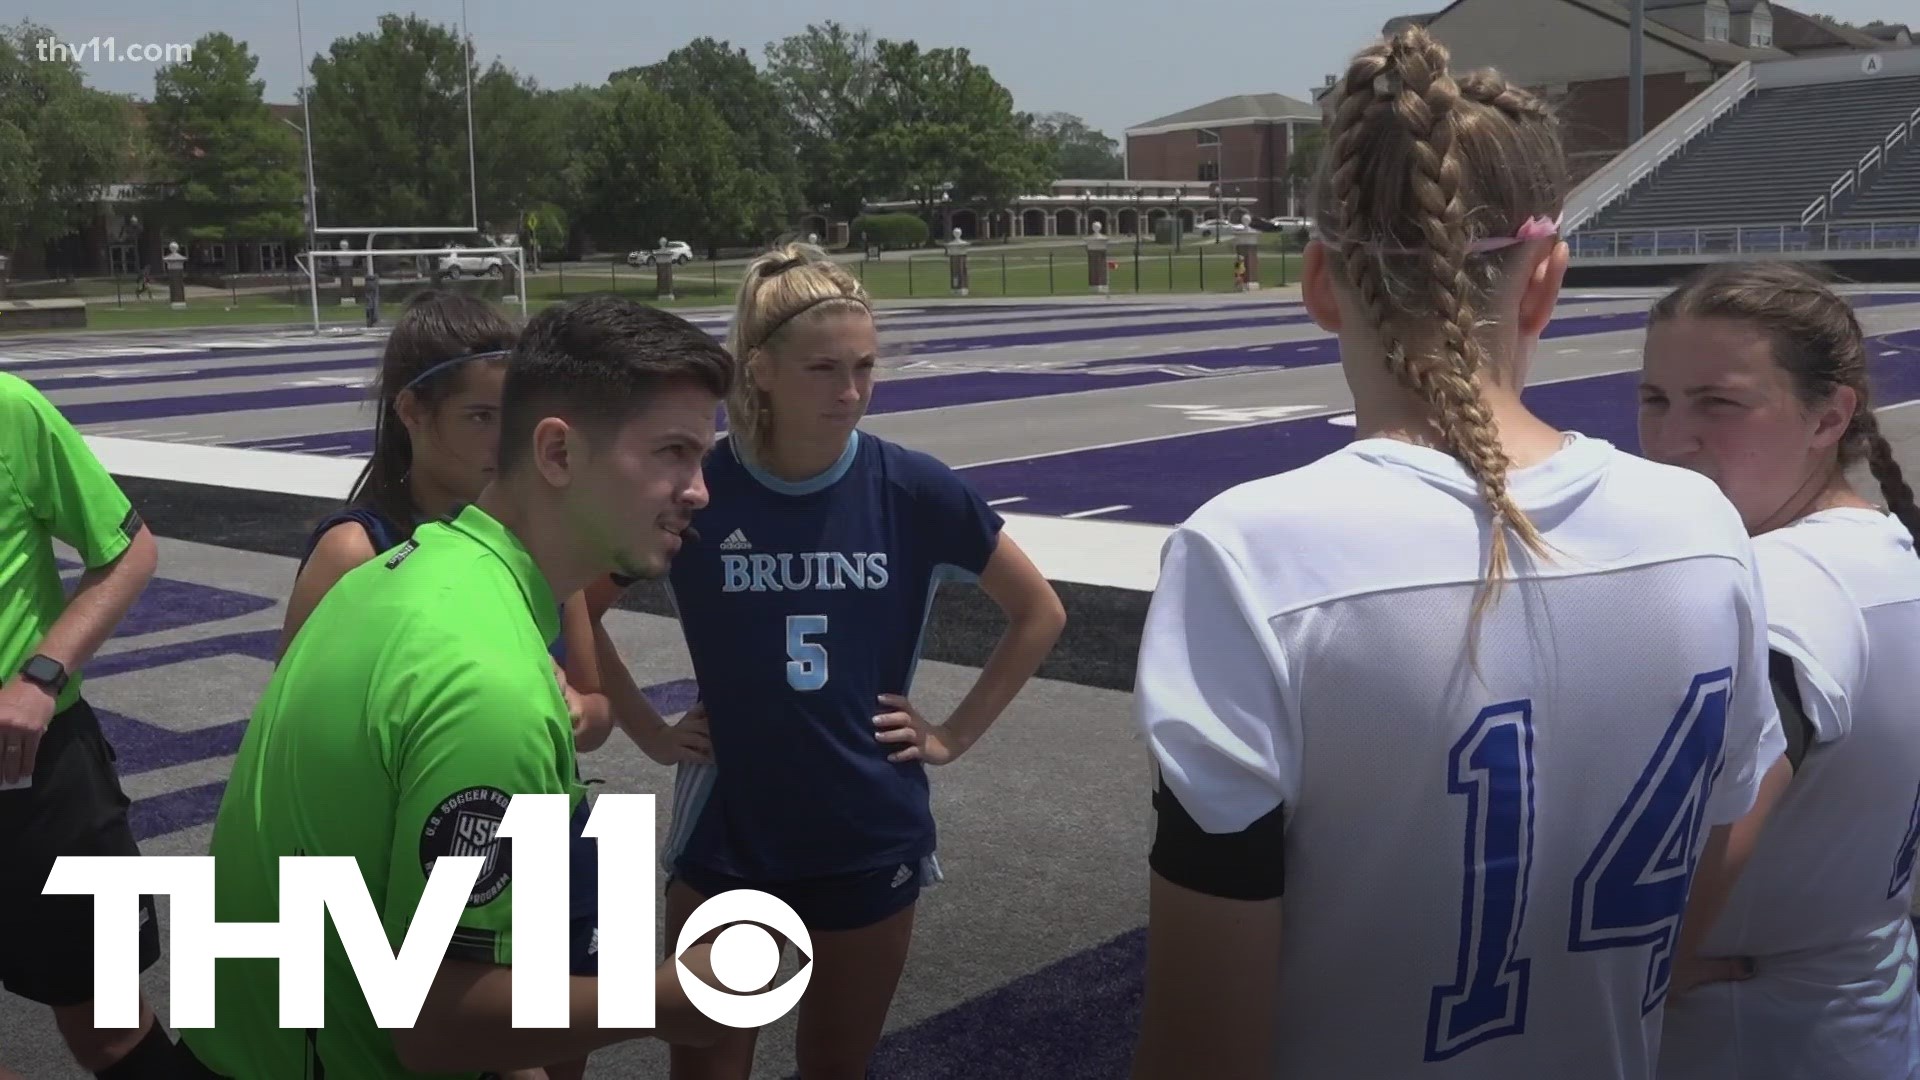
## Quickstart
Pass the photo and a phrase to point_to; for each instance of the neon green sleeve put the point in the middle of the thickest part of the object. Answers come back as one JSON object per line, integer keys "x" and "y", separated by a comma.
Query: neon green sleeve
{"x": 493, "y": 727}
{"x": 64, "y": 484}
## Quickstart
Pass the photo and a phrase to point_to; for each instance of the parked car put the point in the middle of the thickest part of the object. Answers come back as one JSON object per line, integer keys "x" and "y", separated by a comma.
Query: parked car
{"x": 682, "y": 254}
{"x": 1214, "y": 225}
{"x": 460, "y": 262}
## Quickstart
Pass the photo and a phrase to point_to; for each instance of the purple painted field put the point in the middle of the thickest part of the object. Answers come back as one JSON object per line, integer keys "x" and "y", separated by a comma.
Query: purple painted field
{"x": 968, "y": 388}
{"x": 1165, "y": 480}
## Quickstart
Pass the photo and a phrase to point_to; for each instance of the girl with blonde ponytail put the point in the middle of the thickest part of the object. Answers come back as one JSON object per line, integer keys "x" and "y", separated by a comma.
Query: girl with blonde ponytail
{"x": 804, "y": 603}
{"x": 1510, "y": 672}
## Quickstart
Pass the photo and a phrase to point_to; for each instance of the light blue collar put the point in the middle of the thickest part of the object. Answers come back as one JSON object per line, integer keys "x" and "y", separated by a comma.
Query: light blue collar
{"x": 811, "y": 484}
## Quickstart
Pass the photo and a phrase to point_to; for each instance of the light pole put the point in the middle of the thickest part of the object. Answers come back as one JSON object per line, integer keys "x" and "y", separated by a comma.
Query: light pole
{"x": 1636, "y": 67}
{"x": 473, "y": 177}
{"x": 312, "y": 215}
{"x": 313, "y": 202}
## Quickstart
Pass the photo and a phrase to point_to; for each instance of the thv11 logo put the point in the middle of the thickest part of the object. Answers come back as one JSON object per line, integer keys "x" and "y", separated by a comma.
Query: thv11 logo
{"x": 465, "y": 867}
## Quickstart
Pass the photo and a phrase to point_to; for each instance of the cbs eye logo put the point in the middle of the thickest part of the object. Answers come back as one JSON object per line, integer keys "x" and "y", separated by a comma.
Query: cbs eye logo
{"x": 745, "y": 958}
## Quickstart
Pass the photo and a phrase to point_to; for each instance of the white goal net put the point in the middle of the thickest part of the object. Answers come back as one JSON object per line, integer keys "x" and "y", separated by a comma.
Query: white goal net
{"x": 376, "y": 281}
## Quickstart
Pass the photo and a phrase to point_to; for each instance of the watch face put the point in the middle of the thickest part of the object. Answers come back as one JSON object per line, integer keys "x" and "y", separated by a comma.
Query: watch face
{"x": 42, "y": 669}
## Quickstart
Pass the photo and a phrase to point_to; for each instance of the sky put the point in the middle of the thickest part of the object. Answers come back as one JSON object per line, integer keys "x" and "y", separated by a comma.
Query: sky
{"x": 1115, "y": 64}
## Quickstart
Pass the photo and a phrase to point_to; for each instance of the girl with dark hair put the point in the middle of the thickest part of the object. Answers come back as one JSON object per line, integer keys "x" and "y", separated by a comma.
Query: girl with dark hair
{"x": 1756, "y": 376}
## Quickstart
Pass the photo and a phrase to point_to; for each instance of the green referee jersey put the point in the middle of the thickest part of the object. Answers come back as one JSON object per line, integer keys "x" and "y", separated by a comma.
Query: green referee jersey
{"x": 417, "y": 698}
{"x": 51, "y": 488}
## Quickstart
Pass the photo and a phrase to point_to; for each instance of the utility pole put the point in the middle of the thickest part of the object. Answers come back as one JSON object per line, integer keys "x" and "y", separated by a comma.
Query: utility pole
{"x": 1637, "y": 75}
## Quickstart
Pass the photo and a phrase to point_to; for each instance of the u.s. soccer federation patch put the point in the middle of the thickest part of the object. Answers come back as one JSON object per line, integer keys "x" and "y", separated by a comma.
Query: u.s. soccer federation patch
{"x": 468, "y": 823}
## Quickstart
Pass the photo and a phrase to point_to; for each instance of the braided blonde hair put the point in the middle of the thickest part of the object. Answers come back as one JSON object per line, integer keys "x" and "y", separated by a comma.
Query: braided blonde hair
{"x": 1419, "y": 166}
{"x": 792, "y": 284}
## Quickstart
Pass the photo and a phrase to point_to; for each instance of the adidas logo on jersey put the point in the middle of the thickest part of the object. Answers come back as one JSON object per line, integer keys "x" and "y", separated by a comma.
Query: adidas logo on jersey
{"x": 735, "y": 541}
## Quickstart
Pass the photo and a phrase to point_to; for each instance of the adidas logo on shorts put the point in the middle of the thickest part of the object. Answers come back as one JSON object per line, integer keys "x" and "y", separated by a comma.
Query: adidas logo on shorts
{"x": 735, "y": 541}
{"x": 902, "y": 876}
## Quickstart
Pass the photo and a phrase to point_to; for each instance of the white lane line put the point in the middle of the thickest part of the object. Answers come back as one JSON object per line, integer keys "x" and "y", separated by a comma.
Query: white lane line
{"x": 1005, "y": 501}
{"x": 1095, "y": 513}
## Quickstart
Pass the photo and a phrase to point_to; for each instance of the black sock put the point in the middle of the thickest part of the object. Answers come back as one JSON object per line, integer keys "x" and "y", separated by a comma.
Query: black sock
{"x": 155, "y": 1057}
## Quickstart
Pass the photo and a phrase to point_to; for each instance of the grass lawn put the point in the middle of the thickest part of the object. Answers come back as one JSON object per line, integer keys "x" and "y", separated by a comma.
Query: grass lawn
{"x": 252, "y": 310}
{"x": 994, "y": 270}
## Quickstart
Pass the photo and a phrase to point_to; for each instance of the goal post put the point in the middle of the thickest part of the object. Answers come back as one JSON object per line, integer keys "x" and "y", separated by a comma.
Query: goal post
{"x": 313, "y": 263}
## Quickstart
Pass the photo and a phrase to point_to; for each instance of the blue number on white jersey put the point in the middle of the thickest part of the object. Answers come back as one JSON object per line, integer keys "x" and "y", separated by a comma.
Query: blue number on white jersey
{"x": 1631, "y": 891}
{"x": 1493, "y": 768}
{"x": 1903, "y": 862}
{"x": 1634, "y": 887}
{"x": 807, "y": 663}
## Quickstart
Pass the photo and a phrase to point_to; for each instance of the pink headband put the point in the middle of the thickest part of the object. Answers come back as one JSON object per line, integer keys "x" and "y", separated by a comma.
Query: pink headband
{"x": 1534, "y": 228}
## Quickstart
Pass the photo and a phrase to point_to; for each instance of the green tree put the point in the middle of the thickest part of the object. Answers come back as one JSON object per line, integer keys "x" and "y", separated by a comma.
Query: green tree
{"x": 758, "y": 134}
{"x": 390, "y": 127}
{"x": 62, "y": 143}
{"x": 521, "y": 145}
{"x": 1080, "y": 152}
{"x": 637, "y": 173}
{"x": 939, "y": 124}
{"x": 235, "y": 171}
{"x": 823, "y": 77}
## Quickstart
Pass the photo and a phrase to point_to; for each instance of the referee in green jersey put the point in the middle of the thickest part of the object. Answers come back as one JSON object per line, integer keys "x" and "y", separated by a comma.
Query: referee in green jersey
{"x": 418, "y": 698}
{"x": 59, "y": 791}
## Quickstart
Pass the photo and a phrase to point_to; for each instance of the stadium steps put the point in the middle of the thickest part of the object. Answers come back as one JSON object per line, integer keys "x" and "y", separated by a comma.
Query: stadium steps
{"x": 1892, "y": 194}
{"x": 1765, "y": 161}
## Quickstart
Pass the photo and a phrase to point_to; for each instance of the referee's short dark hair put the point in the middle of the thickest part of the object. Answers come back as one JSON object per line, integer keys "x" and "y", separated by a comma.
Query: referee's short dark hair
{"x": 598, "y": 361}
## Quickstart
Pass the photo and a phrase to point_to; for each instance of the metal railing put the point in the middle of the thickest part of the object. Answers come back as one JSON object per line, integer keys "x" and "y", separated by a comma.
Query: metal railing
{"x": 1756, "y": 240}
{"x": 1619, "y": 176}
{"x": 1857, "y": 175}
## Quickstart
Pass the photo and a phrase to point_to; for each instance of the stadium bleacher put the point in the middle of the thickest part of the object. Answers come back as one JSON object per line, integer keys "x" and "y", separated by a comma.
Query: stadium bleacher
{"x": 1771, "y": 157}
{"x": 1891, "y": 193}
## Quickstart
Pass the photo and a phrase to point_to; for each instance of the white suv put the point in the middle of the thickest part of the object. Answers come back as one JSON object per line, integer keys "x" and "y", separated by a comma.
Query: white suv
{"x": 458, "y": 263}
{"x": 682, "y": 254}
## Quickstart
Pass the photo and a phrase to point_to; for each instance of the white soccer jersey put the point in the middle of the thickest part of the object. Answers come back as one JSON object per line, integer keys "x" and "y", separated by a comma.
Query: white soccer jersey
{"x": 1484, "y": 877}
{"x": 1822, "y": 907}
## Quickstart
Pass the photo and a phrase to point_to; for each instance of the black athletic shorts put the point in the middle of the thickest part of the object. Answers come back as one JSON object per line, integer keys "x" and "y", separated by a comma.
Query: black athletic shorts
{"x": 842, "y": 902}
{"x": 74, "y": 807}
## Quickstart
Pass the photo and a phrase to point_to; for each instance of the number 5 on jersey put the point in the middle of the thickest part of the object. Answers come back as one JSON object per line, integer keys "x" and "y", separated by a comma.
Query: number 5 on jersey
{"x": 807, "y": 660}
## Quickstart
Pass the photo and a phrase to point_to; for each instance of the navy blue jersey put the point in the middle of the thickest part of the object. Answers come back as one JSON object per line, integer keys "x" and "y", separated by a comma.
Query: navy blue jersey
{"x": 385, "y": 535}
{"x": 802, "y": 603}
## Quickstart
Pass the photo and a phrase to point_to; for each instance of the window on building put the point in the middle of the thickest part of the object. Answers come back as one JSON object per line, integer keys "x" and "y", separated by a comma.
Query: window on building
{"x": 1209, "y": 170}
{"x": 1762, "y": 32}
{"x": 1717, "y": 24}
{"x": 273, "y": 256}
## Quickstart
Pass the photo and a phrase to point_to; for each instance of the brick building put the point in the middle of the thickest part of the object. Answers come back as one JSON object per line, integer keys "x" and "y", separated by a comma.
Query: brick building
{"x": 1576, "y": 53}
{"x": 1242, "y": 144}
{"x": 129, "y": 224}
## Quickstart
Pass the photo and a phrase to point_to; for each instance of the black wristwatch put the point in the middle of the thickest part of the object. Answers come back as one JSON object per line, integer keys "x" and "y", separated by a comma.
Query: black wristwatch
{"x": 47, "y": 673}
